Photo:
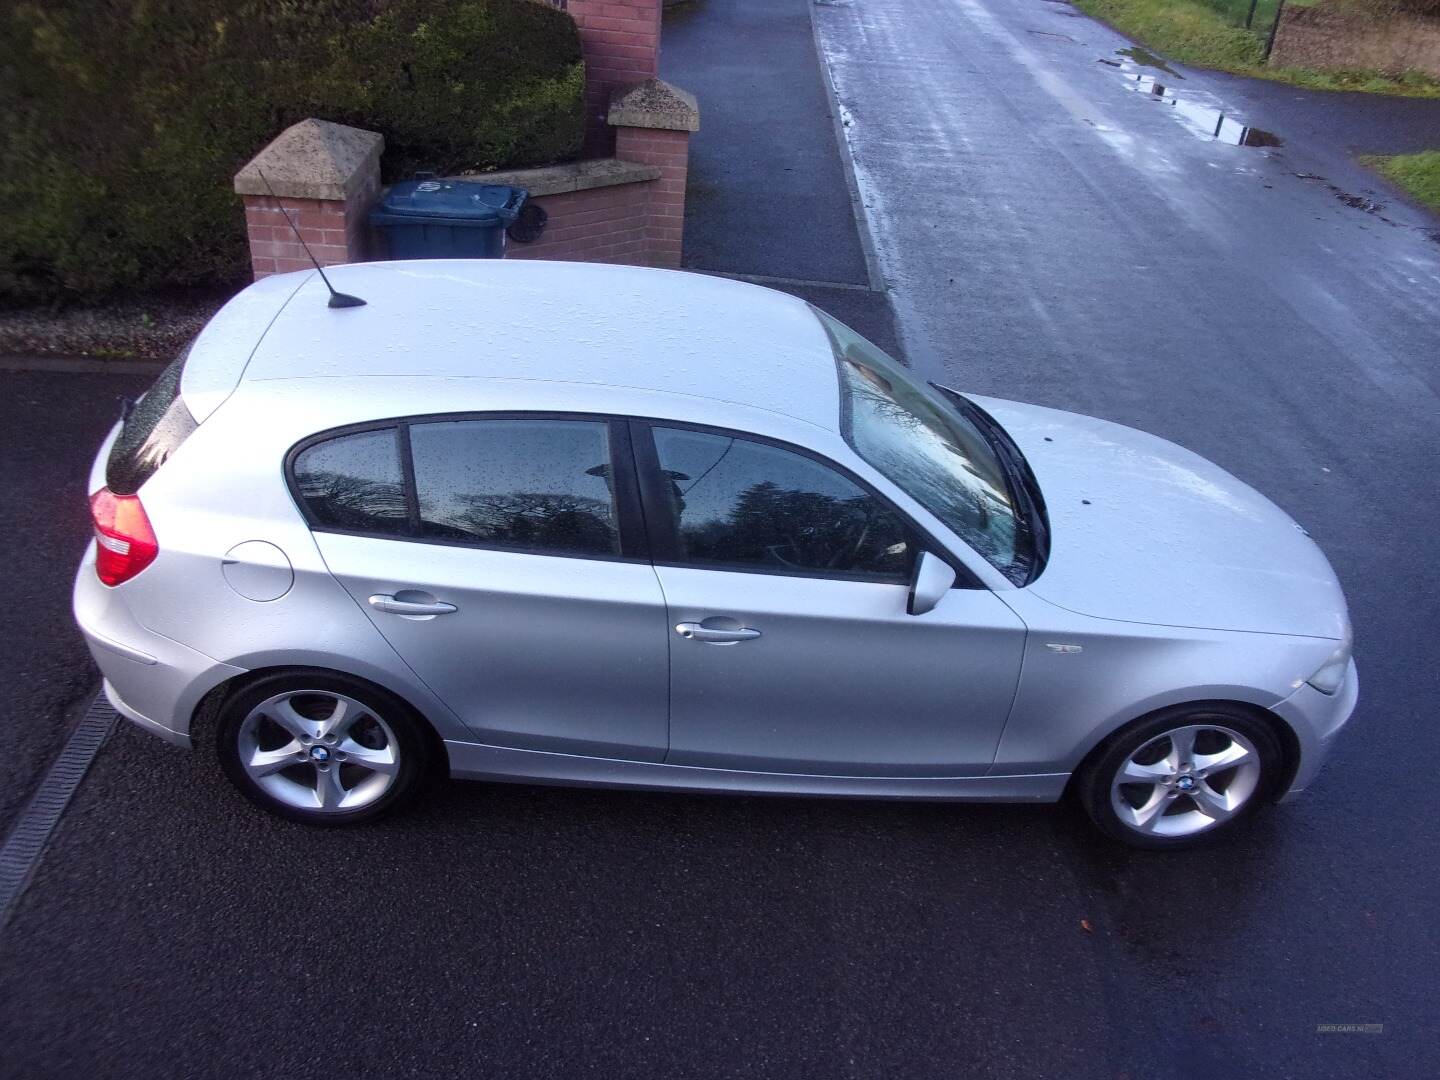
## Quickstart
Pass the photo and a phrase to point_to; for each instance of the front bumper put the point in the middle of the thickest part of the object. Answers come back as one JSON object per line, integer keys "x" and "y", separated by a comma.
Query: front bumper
{"x": 1316, "y": 719}
{"x": 150, "y": 679}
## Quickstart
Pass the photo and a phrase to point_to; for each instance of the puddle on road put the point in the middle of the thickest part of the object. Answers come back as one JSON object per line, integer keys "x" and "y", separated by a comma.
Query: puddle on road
{"x": 1145, "y": 58}
{"x": 1210, "y": 121}
{"x": 1204, "y": 120}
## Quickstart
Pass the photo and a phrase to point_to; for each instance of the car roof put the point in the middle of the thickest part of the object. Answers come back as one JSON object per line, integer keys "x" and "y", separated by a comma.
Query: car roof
{"x": 577, "y": 323}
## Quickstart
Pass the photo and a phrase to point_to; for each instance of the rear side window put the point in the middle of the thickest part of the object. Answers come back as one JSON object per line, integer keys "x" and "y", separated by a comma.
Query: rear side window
{"x": 527, "y": 484}
{"x": 153, "y": 430}
{"x": 354, "y": 483}
{"x": 533, "y": 485}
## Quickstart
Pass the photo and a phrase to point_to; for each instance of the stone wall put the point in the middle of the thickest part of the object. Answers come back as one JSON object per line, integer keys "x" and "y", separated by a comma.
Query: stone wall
{"x": 1334, "y": 39}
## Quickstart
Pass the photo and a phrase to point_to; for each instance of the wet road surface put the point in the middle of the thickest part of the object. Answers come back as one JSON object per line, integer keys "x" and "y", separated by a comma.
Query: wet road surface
{"x": 1065, "y": 225}
{"x": 49, "y": 428}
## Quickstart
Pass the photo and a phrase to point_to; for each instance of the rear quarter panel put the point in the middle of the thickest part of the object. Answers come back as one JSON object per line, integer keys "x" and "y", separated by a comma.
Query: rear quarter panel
{"x": 225, "y": 485}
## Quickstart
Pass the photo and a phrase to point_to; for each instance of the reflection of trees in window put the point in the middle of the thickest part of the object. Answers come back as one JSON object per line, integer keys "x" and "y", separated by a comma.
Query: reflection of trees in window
{"x": 352, "y": 502}
{"x": 927, "y": 461}
{"x": 539, "y": 520}
{"x": 771, "y": 526}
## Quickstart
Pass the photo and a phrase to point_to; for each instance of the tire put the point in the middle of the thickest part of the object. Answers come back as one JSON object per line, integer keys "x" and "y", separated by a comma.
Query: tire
{"x": 358, "y": 750}
{"x": 1234, "y": 763}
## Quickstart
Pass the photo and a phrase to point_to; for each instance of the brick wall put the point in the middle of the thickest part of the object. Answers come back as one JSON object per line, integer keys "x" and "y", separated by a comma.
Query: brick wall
{"x": 629, "y": 208}
{"x": 623, "y": 208}
{"x": 621, "y": 43}
{"x": 326, "y": 177}
{"x": 333, "y": 235}
{"x": 665, "y": 217}
{"x": 599, "y": 225}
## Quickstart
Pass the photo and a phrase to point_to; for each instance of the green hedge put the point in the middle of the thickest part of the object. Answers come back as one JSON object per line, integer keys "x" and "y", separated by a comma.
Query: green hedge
{"x": 122, "y": 122}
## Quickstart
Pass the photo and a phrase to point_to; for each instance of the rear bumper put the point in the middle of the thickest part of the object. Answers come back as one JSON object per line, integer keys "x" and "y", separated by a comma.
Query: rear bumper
{"x": 141, "y": 720}
{"x": 150, "y": 679}
{"x": 1317, "y": 720}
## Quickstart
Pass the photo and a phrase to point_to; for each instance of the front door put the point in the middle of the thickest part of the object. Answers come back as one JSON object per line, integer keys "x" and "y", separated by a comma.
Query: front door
{"x": 791, "y": 649}
{"x": 495, "y": 555}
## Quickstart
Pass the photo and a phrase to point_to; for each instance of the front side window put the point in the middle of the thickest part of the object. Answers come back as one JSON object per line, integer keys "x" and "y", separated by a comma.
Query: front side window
{"x": 929, "y": 450}
{"x": 752, "y": 506}
{"x": 536, "y": 485}
{"x": 354, "y": 483}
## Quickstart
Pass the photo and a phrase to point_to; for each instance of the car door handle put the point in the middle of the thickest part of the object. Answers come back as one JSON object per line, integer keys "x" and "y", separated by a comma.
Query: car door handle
{"x": 381, "y": 602}
{"x": 695, "y": 631}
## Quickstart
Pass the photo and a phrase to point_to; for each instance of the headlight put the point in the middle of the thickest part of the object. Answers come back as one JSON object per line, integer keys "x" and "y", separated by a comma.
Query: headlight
{"x": 1331, "y": 675}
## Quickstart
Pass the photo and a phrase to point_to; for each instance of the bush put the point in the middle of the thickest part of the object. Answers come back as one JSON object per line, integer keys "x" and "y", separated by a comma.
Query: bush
{"x": 123, "y": 122}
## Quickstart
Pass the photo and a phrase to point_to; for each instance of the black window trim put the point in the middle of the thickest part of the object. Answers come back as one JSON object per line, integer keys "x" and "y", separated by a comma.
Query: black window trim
{"x": 630, "y": 524}
{"x": 641, "y": 517}
{"x": 664, "y": 539}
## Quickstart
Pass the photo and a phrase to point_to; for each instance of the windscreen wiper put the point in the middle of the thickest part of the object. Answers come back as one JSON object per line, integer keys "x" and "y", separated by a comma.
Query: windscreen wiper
{"x": 1018, "y": 471}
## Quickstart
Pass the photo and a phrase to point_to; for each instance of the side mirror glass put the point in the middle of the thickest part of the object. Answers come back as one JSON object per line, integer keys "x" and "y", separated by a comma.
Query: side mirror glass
{"x": 932, "y": 579}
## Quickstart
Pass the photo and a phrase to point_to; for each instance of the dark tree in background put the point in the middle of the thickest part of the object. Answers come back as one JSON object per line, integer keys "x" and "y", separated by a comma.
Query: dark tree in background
{"x": 123, "y": 122}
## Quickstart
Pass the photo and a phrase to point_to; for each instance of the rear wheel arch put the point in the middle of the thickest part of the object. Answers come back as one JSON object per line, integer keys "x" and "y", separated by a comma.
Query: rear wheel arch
{"x": 207, "y": 711}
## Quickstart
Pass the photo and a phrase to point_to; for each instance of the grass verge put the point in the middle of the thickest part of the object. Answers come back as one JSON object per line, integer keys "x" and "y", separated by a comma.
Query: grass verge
{"x": 1195, "y": 33}
{"x": 1416, "y": 174}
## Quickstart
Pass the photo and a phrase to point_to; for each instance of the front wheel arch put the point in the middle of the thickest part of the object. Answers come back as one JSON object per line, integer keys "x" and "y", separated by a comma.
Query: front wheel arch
{"x": 1284, "y": 734}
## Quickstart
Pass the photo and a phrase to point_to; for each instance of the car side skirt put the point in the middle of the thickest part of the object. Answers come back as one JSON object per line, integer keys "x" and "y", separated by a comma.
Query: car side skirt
{"x": 477, "y": 761}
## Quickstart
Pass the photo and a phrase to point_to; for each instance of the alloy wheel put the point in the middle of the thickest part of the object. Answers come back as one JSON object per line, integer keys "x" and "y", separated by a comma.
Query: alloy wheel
{"x": 1185, "y": 781}
{"x": 317, "y": 750}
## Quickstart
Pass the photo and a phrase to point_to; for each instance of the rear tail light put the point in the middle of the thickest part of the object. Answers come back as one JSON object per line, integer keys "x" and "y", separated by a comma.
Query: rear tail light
{"x": 124, "y": 542}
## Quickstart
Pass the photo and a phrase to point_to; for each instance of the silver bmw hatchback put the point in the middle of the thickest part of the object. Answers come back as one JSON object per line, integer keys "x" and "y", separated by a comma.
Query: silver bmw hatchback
{"x": 577, "y": 524}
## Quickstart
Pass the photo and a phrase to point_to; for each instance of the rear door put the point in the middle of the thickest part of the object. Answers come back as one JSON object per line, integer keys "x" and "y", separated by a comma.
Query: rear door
{"x": 502, "y": 557}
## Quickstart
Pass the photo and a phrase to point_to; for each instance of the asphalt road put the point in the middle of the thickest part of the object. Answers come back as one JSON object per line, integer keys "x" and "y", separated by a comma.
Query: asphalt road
{"x": 50, "y": 426}
{"x": 1055, "y": 231}
{"x": 1132, "y": 272}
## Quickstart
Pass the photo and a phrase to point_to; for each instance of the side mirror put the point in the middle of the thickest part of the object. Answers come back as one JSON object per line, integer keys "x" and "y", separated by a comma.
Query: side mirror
{"x": 932, "y": 579}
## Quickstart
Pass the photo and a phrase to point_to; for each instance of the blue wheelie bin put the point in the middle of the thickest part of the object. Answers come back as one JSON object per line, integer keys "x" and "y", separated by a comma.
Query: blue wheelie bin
{"x": 447, "y": 219}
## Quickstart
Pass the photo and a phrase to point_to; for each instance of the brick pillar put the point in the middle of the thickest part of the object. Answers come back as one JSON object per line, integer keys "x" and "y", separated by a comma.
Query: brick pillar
{"x": 326, "y": 178}
{"x": 653, "y": 121}
{"x": 621, "y": 43}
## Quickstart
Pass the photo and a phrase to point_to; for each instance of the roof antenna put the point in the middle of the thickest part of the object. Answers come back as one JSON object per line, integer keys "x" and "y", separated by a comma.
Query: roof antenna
{"x": 337, "y": 299}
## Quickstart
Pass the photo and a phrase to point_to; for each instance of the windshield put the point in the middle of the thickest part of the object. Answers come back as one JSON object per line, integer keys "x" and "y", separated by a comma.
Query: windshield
{"x": 929, "y": 450}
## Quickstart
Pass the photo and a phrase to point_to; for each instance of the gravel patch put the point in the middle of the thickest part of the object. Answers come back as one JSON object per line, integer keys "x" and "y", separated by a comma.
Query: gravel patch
{"x": 151, "y": 327}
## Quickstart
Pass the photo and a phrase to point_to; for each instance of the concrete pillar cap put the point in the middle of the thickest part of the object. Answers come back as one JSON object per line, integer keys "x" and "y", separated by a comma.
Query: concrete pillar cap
{"x": 653, "y": 103}
{"x": 314, "y": 159}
